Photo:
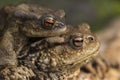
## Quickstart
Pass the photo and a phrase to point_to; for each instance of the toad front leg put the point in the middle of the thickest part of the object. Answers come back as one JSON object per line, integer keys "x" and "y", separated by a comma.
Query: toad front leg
{"x": 7, "y": 53}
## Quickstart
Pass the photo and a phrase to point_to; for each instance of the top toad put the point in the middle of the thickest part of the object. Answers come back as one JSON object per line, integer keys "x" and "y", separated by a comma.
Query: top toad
{"x": 24, "y": 23}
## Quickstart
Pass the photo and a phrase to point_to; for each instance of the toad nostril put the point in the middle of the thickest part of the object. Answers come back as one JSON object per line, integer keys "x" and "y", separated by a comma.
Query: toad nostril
{"x": 62, "y": 24}
{"x": 90, "y": 38}
{"x": 59, "y": 24}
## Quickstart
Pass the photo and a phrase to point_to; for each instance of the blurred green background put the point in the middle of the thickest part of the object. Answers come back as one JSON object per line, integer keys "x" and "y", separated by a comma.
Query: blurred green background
{"x": 95, "y": 12}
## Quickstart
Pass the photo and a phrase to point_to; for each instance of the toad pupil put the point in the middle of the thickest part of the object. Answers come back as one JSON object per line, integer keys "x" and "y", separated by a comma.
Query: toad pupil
{"x": 49, "y": 22}
{"x": 78, "y": 41}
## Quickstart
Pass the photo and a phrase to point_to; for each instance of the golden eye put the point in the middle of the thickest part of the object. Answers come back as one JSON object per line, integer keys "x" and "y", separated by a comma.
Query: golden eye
{"x": 77, "y": 42}
{"x": 49, "y": 22}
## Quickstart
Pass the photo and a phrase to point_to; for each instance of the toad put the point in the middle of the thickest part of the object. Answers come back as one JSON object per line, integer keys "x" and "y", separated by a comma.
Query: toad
{"x": 26, "y": 23}
{"x": 62, "y": 61}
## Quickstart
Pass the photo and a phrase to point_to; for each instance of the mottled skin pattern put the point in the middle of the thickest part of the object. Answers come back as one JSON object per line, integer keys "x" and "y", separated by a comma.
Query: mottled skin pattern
{"x": 62, "y": 61}
{"x": 16, "y": 73}
{"x": 58, "y": 61}
{"x": 24, "y": 23}
{"x": 51, "y": 58}
{"x": 106, "y": 65}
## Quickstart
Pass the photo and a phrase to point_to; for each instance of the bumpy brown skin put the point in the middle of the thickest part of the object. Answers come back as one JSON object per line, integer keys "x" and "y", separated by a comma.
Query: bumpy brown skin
{"x": 21, "y": 23}
{"x": 108, "y": 61}
{"x": 62, "y": 61}
{"x": 58, "y": 61}
{"x": 16, "y": 73}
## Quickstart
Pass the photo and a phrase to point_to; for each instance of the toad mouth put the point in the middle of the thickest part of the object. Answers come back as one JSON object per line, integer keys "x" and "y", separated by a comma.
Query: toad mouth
{"x": 85, "y": 59}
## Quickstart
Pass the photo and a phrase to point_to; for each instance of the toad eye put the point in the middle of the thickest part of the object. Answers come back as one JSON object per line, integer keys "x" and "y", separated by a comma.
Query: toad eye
{"x": 49, "y": 22}
{"x": 77, "y": 42}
